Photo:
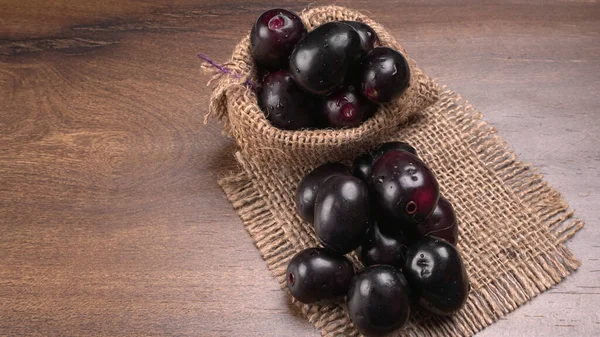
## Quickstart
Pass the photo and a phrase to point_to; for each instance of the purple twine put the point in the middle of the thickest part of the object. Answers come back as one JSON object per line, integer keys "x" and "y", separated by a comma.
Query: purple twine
{"x": 225, "y": 70}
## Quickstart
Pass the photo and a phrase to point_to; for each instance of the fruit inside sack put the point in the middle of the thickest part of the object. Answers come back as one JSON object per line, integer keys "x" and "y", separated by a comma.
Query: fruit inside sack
{"x": 334, "y": 76}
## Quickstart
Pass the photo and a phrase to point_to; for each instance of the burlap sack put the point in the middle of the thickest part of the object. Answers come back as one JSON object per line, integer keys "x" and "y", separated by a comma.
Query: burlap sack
{"x": 235, "y": 103}
{"x": 512, "y": 225}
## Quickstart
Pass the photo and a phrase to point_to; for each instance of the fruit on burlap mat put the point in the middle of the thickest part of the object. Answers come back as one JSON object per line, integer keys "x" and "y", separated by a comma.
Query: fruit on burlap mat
{"x": 512, "y": 224}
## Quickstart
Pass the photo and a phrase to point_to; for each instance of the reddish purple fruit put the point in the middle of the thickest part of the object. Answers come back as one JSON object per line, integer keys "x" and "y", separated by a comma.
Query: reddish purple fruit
{"x": 378, "y": 300}
{"x": 285, "y": 105}
{"x": 441, "y": 223}
{"x": 362, "y": 165}
{"x": 404, "y": 188}
{"x": 386, "y": 75}
{"x": 317, "y": 274}
{"x": 273, "y": 37}
{"x": 345, "y": 108}
{"x": 321, "y": 61}
{"x": 368, "y": 37}
{"x": 342, "y": 213}
{"x": 381, "y": 248}
{"x": 437, "y": 276}
{"x": 306, "y": 195}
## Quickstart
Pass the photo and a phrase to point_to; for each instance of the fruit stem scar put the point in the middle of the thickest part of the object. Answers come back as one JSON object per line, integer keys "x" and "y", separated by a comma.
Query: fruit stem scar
{"x": 411, "y": 207}
{"x": 276, "y": 22}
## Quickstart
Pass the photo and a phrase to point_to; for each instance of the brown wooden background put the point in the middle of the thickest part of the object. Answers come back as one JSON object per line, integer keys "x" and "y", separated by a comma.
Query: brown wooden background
{"x": 111, "y": 222}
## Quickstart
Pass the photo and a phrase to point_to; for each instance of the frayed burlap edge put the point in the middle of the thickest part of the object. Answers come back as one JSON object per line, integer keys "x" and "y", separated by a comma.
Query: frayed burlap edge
{"x": 490, "y": 302}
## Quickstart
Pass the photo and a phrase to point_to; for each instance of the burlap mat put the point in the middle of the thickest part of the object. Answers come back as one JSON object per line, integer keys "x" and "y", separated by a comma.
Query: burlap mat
{"x": 512, "y": 224}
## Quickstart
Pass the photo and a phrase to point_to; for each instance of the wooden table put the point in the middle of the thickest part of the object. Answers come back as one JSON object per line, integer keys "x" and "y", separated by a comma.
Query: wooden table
{"x": 111, "y": 222}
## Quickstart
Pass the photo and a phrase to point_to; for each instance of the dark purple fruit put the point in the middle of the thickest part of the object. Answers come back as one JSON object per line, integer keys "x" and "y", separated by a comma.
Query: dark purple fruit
{"x": 285, "y": 105}
{"x": 437, "y": 276}
{"x": 378, "y": 300}
{"x": 368, "y": 37}
{"x": 381, "y": 248}
{"x": 341, "y": 213}
{"x": 306, "y": 195}
{"x": 386, "y": 75}
{"x": 273, "y": 37}
{"x": 321, "y": 60}
{"x": 361, "y": 167}
{"x": 441, "y": 223}
{"x": 317, "y": 274}
{"x": 345, "y": 108}
{"x": 404, "y": 188}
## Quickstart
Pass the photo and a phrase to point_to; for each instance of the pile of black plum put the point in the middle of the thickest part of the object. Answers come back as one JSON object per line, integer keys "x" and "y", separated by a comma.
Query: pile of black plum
{"x": 388, "y": 206}
{"x": 332, "y": 77}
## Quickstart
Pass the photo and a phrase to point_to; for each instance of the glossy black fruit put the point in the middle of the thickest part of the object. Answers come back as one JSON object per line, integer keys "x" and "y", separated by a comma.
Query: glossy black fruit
{"x": 317, "y": 274}
{"x": 306, "y": 194}
{"x": 273, "y": 37}
{"x": 368, "y": 37}
{"x": 386, "y": 75}
{"x": 285, "y": 105}
{"x": 381, "y": 248}
{"x": 341, "y": 213}
{"x": 437, "y": 276}
{"x": 346, "y": 108}
{"x": 321, "y": 60}
{"x": 441, "y": 223}
{"x": 361, "y": 167}
{"x": 404, "y": 188}
{"x": 378, "y": 300}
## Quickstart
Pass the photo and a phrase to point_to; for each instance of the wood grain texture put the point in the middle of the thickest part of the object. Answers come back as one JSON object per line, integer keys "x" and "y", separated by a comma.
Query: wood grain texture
{"x": 111, "y": 221}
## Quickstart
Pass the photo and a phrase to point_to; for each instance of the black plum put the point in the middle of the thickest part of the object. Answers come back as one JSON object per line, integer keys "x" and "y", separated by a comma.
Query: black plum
{"x": 361, "y": 167}
{"x": 378, "y": 300}
{"x": 437, "y": 276}
{"x": 320, "y": 61}
{"x": 404, "y": 188}
{"x": 368, "y": 37}
{"x": 342, "y": 213}
{"x": 273, "y": 37}
{"x": 346, "y": 108}
{"x": 382, "y": 248}
{"x": 285, "y": 105}
{"x": 385, "y": 76}
{"x": 307, "y": 191}
{"x": 317, "y": 274}
{"x": 441, "y": 223}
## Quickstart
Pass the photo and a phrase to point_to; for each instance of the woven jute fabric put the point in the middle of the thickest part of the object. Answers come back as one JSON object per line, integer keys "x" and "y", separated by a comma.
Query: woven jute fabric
{"x": 512, "y": 224}
{"x": 235, "y": 104}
